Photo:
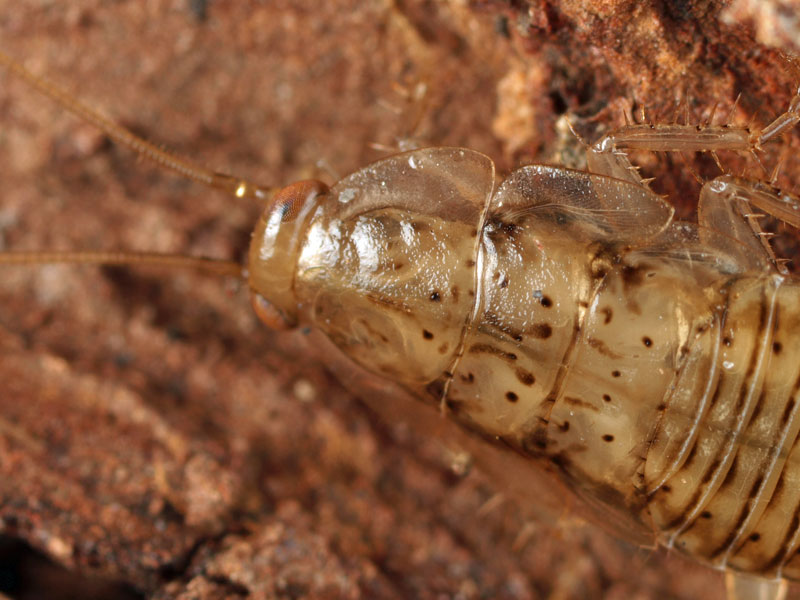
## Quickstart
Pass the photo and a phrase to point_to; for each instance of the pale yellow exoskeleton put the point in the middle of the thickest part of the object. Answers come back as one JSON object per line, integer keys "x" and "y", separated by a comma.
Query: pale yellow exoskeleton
{"x": 650, "y": 365}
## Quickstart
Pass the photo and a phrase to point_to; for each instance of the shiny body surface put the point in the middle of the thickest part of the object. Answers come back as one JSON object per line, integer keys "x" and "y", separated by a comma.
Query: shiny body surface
{"x": 567, "y": 317}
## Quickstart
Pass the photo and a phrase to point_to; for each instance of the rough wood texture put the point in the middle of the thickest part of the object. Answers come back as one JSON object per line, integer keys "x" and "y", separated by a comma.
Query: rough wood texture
{"x": 150, "y": 430}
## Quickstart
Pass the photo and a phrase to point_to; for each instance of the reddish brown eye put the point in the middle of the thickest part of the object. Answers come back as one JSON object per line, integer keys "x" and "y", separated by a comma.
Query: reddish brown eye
{"x": 268, "y": 314}
{"x": 291, "y": 199}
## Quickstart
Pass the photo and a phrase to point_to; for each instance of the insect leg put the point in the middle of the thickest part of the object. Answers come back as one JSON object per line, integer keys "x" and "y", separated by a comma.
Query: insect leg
{"x": 415, "y": 105}
{"x": 604, "y": 158}
{"x": 766, "y": 197}
{"x": 727, "y": 205}
{"x": 607, "y": 156}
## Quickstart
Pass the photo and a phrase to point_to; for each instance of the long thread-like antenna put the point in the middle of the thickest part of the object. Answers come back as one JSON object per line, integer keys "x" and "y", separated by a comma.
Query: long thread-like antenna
{"x": 235, "y": 186}
{"x": 208, "y": 265}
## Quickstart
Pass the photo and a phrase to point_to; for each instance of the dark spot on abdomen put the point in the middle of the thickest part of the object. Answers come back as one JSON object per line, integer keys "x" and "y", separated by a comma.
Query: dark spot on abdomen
{"x": 730, "y": 476}
{"x": 603, "y": 349}
{"x": 787, "y": 412}
{"x": 541, "y": 331}
{"x": 633, "y": 276}
{"x": 536, "y": 442}
{"x": 580, "y": 403}
{"x": 755, "y": 487}
{"x": 525, "y": 377}
{"x": 454, "y": 406}
{"x": 489, "y": 349}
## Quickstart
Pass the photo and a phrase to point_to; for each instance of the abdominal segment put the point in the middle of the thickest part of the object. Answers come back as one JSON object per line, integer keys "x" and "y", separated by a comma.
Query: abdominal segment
{"x": 660, "y": 385}
{"x": 661, "y": 398}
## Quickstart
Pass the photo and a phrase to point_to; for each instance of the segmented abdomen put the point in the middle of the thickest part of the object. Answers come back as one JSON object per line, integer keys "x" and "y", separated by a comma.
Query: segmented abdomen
{"x": 657, "y": 389}
{"x": 727, "y": 489}
{"x": 661, "y": 384}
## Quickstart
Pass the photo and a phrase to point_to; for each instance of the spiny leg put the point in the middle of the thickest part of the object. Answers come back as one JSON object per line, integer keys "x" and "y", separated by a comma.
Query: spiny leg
{"x": 608, "y": 155}
{"x": 727, "y": 205}
{"x": 726, "y": 217}
{"x": 415, "y": 104}
{"x": 728, "y": 223}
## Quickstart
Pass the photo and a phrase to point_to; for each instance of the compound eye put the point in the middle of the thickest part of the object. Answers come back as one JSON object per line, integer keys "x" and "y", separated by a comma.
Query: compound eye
{"x": 268, "y": 314}
{"x": 290, "y": 200}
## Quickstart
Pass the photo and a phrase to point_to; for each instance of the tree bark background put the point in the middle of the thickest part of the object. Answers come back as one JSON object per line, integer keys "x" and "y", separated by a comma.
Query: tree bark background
{"x": 152, "y": 432}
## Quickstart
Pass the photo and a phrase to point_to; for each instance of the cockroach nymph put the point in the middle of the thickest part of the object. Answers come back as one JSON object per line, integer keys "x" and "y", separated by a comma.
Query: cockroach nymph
{"x": 561, "y": 315}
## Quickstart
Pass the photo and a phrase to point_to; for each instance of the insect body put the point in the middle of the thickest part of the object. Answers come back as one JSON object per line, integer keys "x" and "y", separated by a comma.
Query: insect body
{"x": 563, "y": 315}
{"x": 649, "y": 366}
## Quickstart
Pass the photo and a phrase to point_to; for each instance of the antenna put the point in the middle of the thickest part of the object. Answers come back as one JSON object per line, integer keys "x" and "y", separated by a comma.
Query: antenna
{"x": 214, "y": 266}
{"x": 235, "y": 186}
{"x": 230, "y": 184}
